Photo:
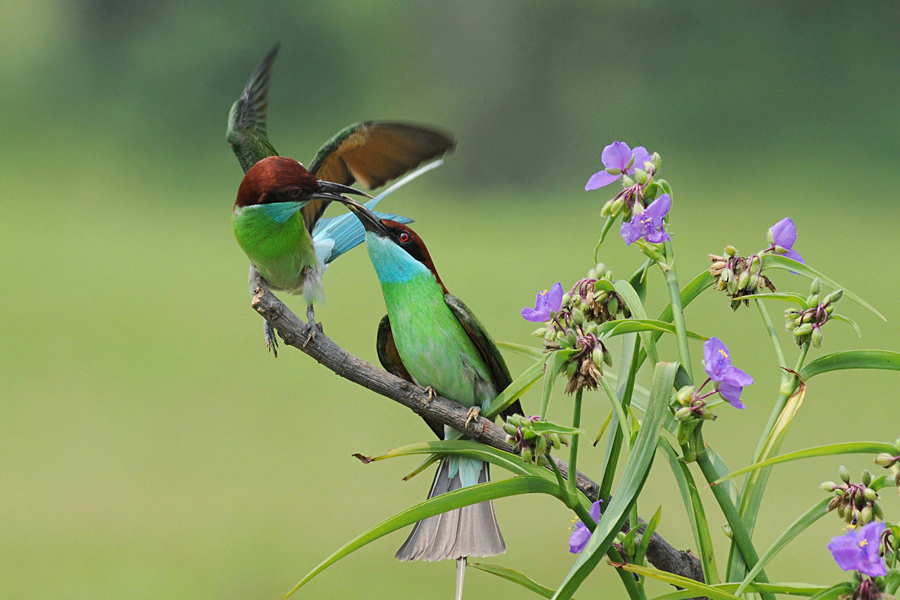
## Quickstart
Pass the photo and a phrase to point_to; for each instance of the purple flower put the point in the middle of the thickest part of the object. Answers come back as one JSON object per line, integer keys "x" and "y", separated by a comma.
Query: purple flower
{"x": 729, "y": 380}
{"x": 782, "y": 236}
{"x": 580, "y": 533}
{"x": 649, "y": 223}
{"x": 544, "y": 304}
{"x": 857, "y": 550}
{"x": 616, "y": 158}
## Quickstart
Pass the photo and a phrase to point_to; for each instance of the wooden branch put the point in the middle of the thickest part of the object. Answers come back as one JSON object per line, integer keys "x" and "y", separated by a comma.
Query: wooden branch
{"x": 437, "y": 409}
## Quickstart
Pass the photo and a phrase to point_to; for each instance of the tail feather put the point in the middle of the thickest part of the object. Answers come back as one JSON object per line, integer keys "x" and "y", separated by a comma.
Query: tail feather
{"x": 467, "y": 531}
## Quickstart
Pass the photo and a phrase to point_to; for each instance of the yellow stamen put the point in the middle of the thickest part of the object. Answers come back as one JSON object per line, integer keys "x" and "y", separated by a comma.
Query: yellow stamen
{"x": 723, "y": 353}
{"x": 543, "y": 292}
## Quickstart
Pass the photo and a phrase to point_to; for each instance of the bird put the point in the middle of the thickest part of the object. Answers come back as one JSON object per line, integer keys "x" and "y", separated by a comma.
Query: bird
{"x": 277, "y": 215}
{"x": 431, "y": 338}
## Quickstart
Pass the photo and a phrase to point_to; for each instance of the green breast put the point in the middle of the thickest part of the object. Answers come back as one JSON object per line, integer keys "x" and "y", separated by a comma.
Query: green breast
{"x": 277, "y": 243}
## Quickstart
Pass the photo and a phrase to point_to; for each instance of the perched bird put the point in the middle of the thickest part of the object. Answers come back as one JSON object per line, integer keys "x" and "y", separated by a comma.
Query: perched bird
{"x": 431, "y": 338}
{"x": 277, "y": 215}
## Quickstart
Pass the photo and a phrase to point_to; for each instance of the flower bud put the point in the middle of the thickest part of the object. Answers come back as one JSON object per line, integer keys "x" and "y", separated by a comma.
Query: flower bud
{"x": 570, "y": 369}
{"x": 607, "y": 209}
{"x": 829, "y": 309}
{"x": 627, "y": 181}
{"x": 730, "y": 250}
{"x": 554, "y": 440}
{"x": 592, "y": 274}
{"x": 865, "y": 515}
{"x": 566, "y": 298}
{"x": 682, "y": 412}
{"x": 510, "y": 440}
{"x": 541, "y": 446}
{"x": 842, "y": 510}
{"x": 510, "y": 429}
{"x": 526, "y": 455}
{"x": 656, "y": 161}
{"x": 828, "y": 486}
{"x": 884, "y": 460}
{"x": 743, "y": 280}
{"x": 597, "y": 356}
{"x": 844, "y": 474}
{"x": 539, "y": 332}
{"x": 612, "y": 305}
{"x": 876, "y": 509}
{"x": 817, "y": 337}
{"x": 685, "y": 395}
{"x": 812, "y": 300}
{"x": 607, "y": 358}
{"x": 870, "y": 494}
{"x": 754, "y": 282}
{"x": 834, "y": 296}
{"x": 815, "y": 287}
{"x": 726, "y": 529}
{"x": 866, "y": 478}
{"x": 803, "y": 329}
{"x": 628, "y": 545}
{"x": 578, "y": 316}
{"x": 616, "y": 206}
{"x": 550, "y": 334}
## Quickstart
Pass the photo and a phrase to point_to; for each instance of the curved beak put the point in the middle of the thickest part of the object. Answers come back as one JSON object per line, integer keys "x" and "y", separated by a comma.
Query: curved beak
{"x": 333, "y": 191}
{"x": 367, "y": 218}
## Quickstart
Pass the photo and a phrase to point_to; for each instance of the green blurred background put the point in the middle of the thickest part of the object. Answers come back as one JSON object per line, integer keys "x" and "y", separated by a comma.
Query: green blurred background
{"x": 150, "y": 448}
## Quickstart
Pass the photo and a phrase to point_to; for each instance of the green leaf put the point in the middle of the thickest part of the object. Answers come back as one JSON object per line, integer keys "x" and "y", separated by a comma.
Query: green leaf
{"x": 633, "y": 477}
{"x": 849, "y": 321}
{"x": 827, "y": 450}
{"x": 504, "y": 460}
{"x": 852, "y": 359}
{"x": 622, "y": 326}
{"x": 819, "y": 510}
{"x": 515, "y": 577}
{"x": 633, "y": 301}
{"x": 792, "y": 589}
{"x": 543, "y": 427}
{"x": 437, "y": 505}
{"x": 514, "y": 390}
{"x": 698, "y": 589}
{"x": 647, "y": 535}
{"x": 788, "y": 296}
{"x": 690, "y": 496}
{"x": 722, "y": 469}
{"x": 777, "y": 261}
{"x": 526, "y": 351}
{"x": 835, "y": 591}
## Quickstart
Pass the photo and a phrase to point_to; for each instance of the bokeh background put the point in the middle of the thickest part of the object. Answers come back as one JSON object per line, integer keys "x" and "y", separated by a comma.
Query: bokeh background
{"x": 150, "y": 448}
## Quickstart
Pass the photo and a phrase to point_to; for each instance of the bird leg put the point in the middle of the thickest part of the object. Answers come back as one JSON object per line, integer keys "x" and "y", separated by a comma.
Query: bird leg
{"x": 311, "y": 321}
{"x": 271, "y": 339}
{"x": 472, "y": 415}
{"x": 431, "y": 393}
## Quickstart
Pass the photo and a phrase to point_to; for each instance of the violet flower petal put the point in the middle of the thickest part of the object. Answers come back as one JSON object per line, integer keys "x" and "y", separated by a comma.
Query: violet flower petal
{"x": 600, "y": 179}
{"x": 616, "y": 156}
{"x": 784, "y": 233}
{"x": 858, "y": 550}
{"x": 640, "y": 157}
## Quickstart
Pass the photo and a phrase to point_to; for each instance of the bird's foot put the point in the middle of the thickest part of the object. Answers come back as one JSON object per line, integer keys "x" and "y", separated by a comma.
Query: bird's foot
{"x": 472, "y": 415}
{"x": 431, "y": 393}
{"x": 271, "y": 339}
{"x": 314, "y": 327}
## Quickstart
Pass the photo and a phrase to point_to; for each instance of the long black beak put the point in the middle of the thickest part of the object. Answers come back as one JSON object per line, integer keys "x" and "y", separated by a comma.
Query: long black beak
{"x": 367, "y": 218}
{"x": 333, "y": 191}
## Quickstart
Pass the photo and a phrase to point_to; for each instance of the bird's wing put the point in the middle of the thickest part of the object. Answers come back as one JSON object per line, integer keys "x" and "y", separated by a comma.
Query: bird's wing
{"x": 247, "y": 120}
{"x": 486, "y": 347}
{"x": 373, "y": 153}
{"x": 392, "y": 363}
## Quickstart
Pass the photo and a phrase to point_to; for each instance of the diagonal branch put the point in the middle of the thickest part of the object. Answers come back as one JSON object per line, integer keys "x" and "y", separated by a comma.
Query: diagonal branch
{"x": 296, "y": 333}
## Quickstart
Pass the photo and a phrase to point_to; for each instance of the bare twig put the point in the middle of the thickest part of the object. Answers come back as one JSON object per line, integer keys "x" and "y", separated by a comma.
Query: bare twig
{"x": 436, "y": 409}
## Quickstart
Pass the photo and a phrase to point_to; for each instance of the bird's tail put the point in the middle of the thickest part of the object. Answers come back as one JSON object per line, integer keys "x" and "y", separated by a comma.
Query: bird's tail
{"x": 467, "y": 531}
{"x": 336, "y": 235}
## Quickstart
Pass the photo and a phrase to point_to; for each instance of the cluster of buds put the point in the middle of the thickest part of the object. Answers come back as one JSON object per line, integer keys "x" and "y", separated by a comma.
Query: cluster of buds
{"x": 638, "y": 187}
{"x": 866, "y": 589}
{"x": 530, "y": 444}
{"x": 590, "y": 303}
{"x": 738, "y": 276}
{"x": 856, "y": 503}
{"x": 892, "y": 463}
{"x": 690, "y": 412}
{"x": 806, "y": 323}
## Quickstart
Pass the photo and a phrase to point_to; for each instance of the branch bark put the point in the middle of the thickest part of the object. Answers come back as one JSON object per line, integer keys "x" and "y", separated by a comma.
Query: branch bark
{"x": 296, "y": 333}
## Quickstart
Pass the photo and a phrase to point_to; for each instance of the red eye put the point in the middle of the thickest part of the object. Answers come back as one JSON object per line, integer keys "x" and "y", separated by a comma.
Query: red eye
{"x": 404, "y": 237}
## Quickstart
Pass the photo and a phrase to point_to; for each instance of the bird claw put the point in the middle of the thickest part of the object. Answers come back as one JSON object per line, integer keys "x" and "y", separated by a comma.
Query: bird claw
{"x": 314, "y": 327}
{"x": 472, "y": 415}
{"x": 271, "y": 338}
{"x": 431, "y": 393}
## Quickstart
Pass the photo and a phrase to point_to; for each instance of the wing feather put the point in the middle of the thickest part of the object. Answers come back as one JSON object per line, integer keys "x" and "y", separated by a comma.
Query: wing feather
{"x": 247, "y": 119}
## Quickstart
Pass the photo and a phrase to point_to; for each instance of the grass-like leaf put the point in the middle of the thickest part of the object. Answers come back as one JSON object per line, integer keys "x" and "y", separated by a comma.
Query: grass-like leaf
{"x": 633, "y": 477}
{"x": 787, "y": 296}
{"x": 437, "y": 505}
{"x": 852, "y": 359}
{"x": 690, "y": 496}
{"x": 789, "y": 589}
{"x": 519, "y": 386}
{"x": 526, "y": 351}
{"x": 620, "y": 327}
{"x": 504, "y": 460}
{"x": 777, "y": 261}
{"x": 698, "y": 589}
{"x": 633, "y": 301}
{"x": 827, "y": 450}
{"x": 819, "y": 510}
{"x": 514, "y": 576}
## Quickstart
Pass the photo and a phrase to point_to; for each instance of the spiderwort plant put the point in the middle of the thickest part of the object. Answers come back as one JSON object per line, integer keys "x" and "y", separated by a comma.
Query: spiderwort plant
{"x": 576, "y": 331}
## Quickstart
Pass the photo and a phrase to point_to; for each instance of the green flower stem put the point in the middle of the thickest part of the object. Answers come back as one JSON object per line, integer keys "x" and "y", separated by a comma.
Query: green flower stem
{"x": 739, "y": 533}
{"x": 573, "y": 450}
{"x": 677, "y": 311}
{"x": 621, "y": 417}
{"x": 635, "y": 590}
{"x": 773, "y": 335}
{"x": 563, "y": 486}
{"x": 606, "y": 227}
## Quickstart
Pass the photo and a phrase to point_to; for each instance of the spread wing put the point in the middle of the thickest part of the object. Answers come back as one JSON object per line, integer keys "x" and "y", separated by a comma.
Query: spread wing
{"x": 247, "y": 120}
{"x": 373, "y": 153}
{"x": 390, "y": 360}
{"x": 486, "y": 346}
